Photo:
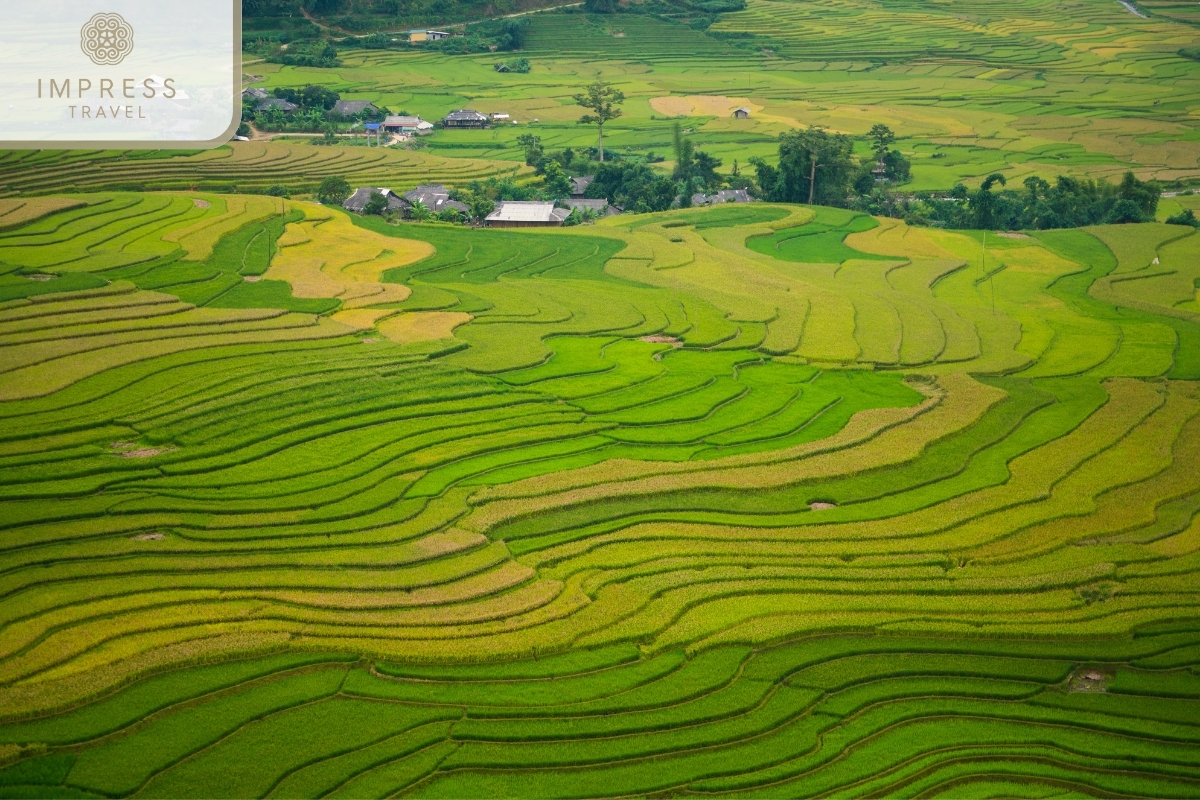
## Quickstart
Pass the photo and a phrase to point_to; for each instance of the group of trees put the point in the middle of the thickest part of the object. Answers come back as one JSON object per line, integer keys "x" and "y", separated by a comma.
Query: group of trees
{"x": 309, "y": 97}
{"x": 366, "y": 16}
{"x": 318, "y": 53}
{"x": 633, "y": 187}
{"x": 1067, "y": 203}
{"x": 315, "y": 113}
{"x": 697, "y": 14}
{"x": 695, "y": 170}
{"x": 816, "y": 166}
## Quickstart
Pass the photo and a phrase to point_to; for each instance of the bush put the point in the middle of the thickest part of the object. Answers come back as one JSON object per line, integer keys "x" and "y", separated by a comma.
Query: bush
{"x": 1185, "y": 217}
{"x": 318, "y": 54}
{"x": 376, "y": 205}
{"x": 334, "y": 190}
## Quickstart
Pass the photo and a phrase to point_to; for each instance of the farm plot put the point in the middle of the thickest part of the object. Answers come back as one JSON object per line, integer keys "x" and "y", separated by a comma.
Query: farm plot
{"x": 883, "y": 713}
{"x": 252, "y": 166}
{"x": 614, "y": 510}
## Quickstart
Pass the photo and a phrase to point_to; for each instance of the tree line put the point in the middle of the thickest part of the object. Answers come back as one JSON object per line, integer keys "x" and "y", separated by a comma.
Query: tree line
{"x": 816, "y": 166}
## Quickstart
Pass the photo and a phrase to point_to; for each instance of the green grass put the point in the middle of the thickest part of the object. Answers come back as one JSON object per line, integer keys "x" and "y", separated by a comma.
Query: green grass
{"x": 818, "y": 242}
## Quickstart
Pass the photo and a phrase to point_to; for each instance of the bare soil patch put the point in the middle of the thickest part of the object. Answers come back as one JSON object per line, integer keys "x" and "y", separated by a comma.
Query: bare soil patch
{"x": 40, "y": 276}
{"x": 1011, "y": 235}
{"x": 821, "y": 505}
{"x": 1089, "y": 680}
{"x": 252, "y": 278}
{"x": 148, "y": 537}
{"x": 196, "y": 201}
{"x": 132, "y": 450}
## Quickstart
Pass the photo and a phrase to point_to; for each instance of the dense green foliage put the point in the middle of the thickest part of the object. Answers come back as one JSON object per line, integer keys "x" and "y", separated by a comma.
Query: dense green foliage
{"x": 1069, "y": 203}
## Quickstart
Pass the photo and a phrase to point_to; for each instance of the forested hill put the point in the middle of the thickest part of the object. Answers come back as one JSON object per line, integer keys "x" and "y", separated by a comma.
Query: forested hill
{"x": 362, "y": 16}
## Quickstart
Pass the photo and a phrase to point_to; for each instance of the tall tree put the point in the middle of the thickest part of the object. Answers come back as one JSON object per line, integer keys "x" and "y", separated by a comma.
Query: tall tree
{"x": 533, "y": 148}
{"x": 815, "y": 166}
{"x": 983, "y": 202}
{"x": 683, "y": 155}
{"x": 557, "y": 184}
{"x": 881, "y": 137}
{"x": 604, "y": 101}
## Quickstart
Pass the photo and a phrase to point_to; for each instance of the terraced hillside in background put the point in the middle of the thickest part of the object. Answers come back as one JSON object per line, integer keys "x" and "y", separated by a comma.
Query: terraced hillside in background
{"x": 249, "y": 166}
{"x": 1080, "y": 88}
{"x": 745, "y": 500}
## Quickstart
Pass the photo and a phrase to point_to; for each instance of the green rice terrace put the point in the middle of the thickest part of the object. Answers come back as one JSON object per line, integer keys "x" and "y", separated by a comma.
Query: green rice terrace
{"x": 767, "y": 500}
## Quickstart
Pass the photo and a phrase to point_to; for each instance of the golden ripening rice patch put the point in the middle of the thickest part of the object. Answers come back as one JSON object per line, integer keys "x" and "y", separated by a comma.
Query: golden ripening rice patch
{"x": 422, "y": 326}
{"x": 893, "y": 237}
{"x": 362, "y": 319}
{"x": 701, "y": 105}
{"x": 17, "y": 211}
{"x": 325, "y": 255}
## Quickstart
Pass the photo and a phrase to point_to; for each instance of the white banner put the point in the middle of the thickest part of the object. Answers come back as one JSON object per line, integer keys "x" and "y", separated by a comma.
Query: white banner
{"x": 125, "y": 73}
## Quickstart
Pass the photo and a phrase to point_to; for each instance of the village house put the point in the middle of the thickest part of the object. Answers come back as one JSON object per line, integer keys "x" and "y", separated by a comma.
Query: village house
{"x": 600, "y": 207}
{"x": 741, "y": 113}
{"x": 416, "y": 37}
{"x": 285, "y": 106}
{"x": 526, "y": 214}
{"x": 465, "y": 118}
{"x": 723, "y": 196}
{"x": 579, "y": 185}
{"x": 255, "y": 94}
{"x": 499, "y": 117}
{"x": 352, "y": 108}
{"x": 398, "y": 124}
{"x": 435, "y": 197}
{"x": 357, "y": 202}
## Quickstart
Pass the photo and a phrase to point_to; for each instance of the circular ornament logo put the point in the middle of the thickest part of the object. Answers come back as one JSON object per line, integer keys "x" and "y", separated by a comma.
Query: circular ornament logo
{"x": 106, "y": 39}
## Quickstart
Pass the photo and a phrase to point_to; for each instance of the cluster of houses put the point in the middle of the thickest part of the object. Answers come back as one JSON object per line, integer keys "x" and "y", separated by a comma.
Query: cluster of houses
{"x": 263, "y": 101}
{"x": 392, "y": 123}
{"x": 723, "y": 196}
{"x": 507, "y": 214}
{"x": 518, "y": 213}
{"x": 434, "y": 197}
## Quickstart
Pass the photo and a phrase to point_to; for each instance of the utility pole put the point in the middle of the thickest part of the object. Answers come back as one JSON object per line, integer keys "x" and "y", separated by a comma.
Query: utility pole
{"x": 812, "y": 176}
{"x": 991, "y": 286}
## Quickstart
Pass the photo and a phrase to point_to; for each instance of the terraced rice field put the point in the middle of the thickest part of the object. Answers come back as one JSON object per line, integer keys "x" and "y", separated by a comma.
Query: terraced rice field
{"x": 1082, "y": 88}
{"x": 759, "y": 501}
{"x": 249, "y": 166}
